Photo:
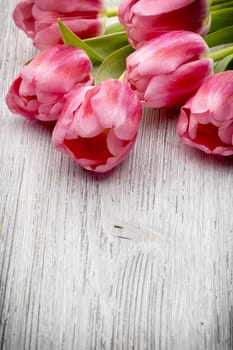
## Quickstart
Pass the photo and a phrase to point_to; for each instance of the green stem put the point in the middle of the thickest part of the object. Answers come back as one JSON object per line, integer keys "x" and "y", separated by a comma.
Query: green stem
{"x": 112, "y": 12}
{"x": 219, "y": 54}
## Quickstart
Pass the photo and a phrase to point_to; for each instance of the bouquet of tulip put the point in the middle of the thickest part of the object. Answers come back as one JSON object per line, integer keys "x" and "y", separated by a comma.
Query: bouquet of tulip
{"x": 92, "y": 79}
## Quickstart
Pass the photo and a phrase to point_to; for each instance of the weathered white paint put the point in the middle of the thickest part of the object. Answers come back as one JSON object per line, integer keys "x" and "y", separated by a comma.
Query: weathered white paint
{"x": 140, "y": 258}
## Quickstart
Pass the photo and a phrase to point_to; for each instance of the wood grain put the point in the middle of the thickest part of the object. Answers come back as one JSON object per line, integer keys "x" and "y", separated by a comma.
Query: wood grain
{"x": 140, "y": 258}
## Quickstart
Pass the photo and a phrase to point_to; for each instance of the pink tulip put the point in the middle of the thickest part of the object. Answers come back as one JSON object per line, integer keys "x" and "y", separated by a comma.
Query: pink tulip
{"x": 206, "y": 120}
{"x": 41, "y": 88}
{"x": 99, "y": 125}
{"x": 38, "y": 19}
{"x": 146, "y": 19}
{"x": 167, "y": 70}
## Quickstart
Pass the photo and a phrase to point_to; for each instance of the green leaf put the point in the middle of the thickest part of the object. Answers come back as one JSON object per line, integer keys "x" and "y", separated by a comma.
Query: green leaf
{"x": 220, "y": 37}
{"x": 225, "y": 64}
{"x": 221, "y": 18}
{"x": 72, "y": 39}
{"x": 113, "y": 28}
{"x": 106, "y": 44}
{"x": 114, "y": 65}
{"x": 220, "y": 4}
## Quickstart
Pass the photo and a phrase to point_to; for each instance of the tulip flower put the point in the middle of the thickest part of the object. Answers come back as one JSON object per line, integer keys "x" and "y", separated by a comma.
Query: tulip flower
{"x": 39, "y": 91}
{"x": 206, "y": 120}
{"x": 167, "y": 70}
{"x": 146, "y": 19}
{"x": 38, "y": 19}
{"x": 98, "y": 125}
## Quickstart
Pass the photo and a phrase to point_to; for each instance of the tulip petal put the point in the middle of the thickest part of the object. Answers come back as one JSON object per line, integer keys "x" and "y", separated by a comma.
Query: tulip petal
{"x": 225, "y": 133}
{"x": 38, "y": 19}
{"x": 206, "y": 121}
{"x": 39, "y": 91}
{"x": 175, "y": 89}
{"x": 106, "y": 102}
{"x": 147, "y": 19}
{"x": 83, "y": 6}
{"x": 216, "y": 95}
{"x": 23, "y": 18}
{"x": 90, "y": 132}
{"x": 116, "y": 111}
{"x": 116, "y": 145}
{"x": 166, "y": 53}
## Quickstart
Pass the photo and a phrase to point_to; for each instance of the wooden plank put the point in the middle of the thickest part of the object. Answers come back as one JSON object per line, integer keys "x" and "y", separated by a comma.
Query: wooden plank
{"x": 140, "y": 258}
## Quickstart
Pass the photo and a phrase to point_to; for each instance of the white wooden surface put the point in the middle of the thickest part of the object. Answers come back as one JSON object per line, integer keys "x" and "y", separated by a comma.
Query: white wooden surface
{"x": 140, "y": 258}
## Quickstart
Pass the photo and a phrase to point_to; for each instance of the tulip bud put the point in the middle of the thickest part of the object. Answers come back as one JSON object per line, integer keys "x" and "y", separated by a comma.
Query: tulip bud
{"x": 38, "y": 19}
{"x": 98, "y": 125}
{"x": 147, "y": 19}
{"x": 39, "y": 92}
{"x": 206, "y": 120}
{"x": 167, "y": 70}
